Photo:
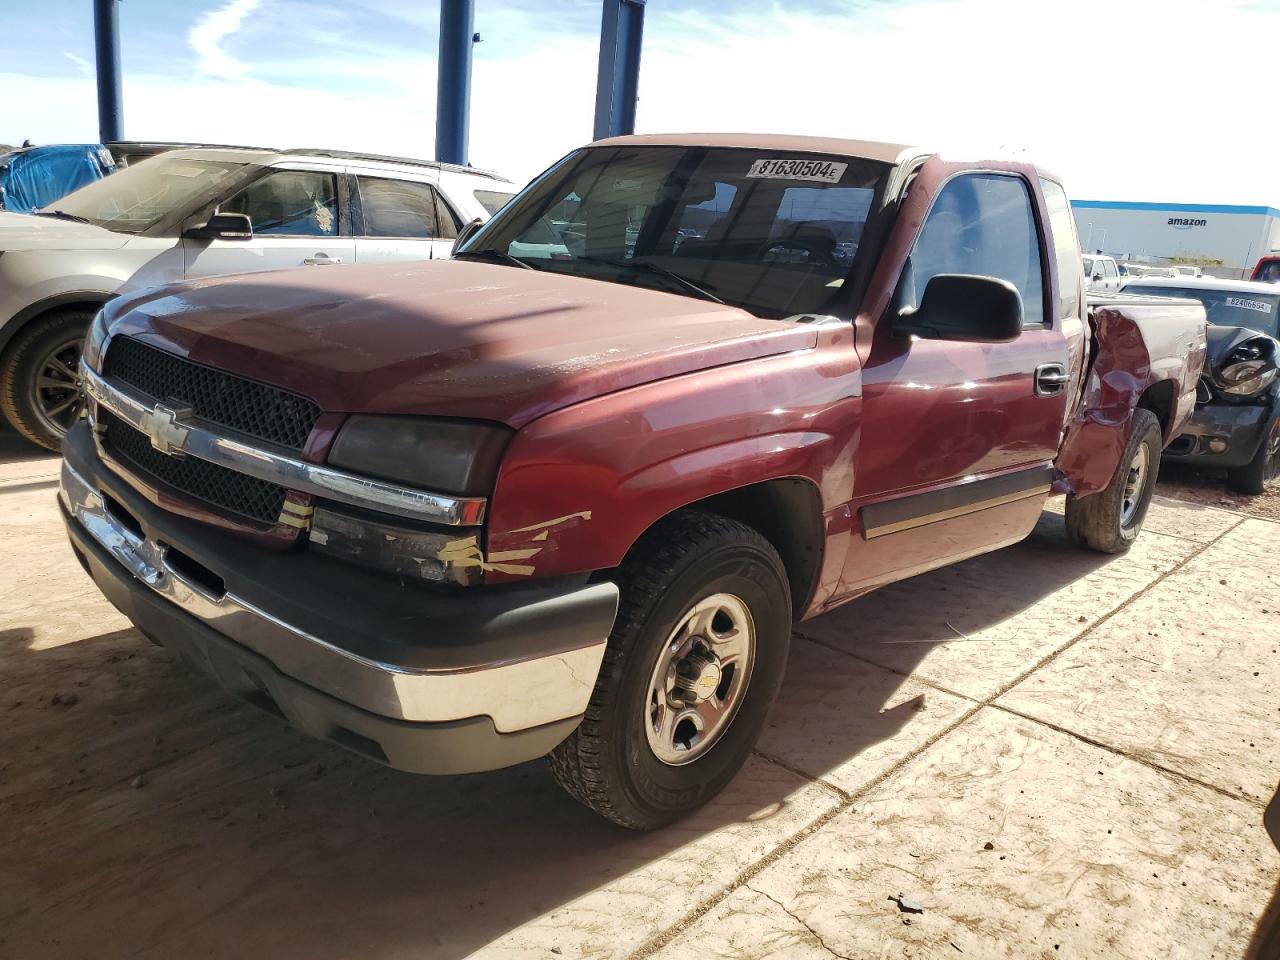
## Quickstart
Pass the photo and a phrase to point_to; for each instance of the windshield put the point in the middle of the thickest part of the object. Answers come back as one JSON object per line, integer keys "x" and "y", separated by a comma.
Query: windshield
{"x": 771, "y": 232}
{"x": 141, "y": 195}
{"x": 1224, "y": 307}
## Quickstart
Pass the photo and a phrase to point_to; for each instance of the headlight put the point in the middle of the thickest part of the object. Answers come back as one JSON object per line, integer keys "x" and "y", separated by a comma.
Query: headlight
{"x": 459, "y": 457}
{"x": 393, "y": 545}
{"x": 1249, "y": 368}
{"x": 95, "y": 342}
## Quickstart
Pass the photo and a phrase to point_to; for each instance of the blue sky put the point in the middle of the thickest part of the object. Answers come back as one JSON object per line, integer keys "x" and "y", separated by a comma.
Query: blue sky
{"x": 1164, "y": 100}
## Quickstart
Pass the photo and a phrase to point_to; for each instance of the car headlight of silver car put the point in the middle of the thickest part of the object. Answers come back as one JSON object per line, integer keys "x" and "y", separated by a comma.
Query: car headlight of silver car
{"x": 455, "y": 457}
{"x": 1249, "y": 368}
{"x": 95, "y": 342}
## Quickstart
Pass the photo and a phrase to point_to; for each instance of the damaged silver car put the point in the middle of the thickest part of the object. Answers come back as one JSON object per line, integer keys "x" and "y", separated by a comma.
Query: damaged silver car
{"x": 1236, "y": 424}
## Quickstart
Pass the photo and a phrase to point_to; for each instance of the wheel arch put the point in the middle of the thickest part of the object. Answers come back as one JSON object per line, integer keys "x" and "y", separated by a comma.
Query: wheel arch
{"x": 1160, "y": 398}
{"x": 786, "y": 511}
{"x": 82, "y": 299}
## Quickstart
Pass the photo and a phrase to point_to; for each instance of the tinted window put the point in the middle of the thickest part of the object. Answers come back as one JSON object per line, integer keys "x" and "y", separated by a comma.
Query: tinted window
{"x": 296, "y": 203}
{"x": 493, "y": 200}
{"x": 773, "y": 233}
{"x": 1065, "y": 248}
{"x": 1228, "y": 308}
{"x": 1269, "y": 272}
{"x": 398, "y": 208}
{"x": 981, "y": 225}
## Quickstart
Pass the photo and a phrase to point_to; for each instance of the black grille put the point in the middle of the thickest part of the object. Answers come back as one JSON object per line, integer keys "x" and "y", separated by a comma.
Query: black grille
{"x": 233, "y": 492}
{"x": 251, "y": 408}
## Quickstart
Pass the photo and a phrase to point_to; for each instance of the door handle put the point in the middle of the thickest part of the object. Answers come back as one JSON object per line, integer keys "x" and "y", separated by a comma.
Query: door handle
{"x": 1051, "y": 379}
{"x": 320, "y": 259}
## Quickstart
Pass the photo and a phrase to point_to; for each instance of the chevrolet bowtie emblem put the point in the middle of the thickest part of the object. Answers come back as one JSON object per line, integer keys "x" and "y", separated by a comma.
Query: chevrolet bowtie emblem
{"x": 165, "y": 428}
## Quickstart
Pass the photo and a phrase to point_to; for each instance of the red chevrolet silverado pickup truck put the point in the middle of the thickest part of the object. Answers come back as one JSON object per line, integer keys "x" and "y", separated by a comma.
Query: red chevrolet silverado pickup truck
{"x": 567, "y": 493}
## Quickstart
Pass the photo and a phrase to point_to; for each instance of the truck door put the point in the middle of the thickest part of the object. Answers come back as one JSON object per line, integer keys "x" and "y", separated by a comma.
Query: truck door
{"x": 958, "y": 438}
{"x": 296, "y": 220}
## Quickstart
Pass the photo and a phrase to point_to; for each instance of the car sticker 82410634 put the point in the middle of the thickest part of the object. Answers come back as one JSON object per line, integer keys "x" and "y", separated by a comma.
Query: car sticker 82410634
{"x": 787, "y": 168}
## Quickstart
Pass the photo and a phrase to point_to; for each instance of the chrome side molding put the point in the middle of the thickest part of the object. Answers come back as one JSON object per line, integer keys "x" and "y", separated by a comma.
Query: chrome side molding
{"x": 187, "y": 437}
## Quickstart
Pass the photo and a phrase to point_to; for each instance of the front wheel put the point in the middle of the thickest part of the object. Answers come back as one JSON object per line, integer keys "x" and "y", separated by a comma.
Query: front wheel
{"x": 1110, "y": 520}
{"x": 40, "y": 379}
{"x": 692, "y": 667}
{"x": 1254, "y": 476}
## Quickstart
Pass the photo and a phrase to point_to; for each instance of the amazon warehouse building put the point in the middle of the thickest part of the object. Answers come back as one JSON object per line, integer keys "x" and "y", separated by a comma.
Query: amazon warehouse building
{"x": 1226, "y": 240}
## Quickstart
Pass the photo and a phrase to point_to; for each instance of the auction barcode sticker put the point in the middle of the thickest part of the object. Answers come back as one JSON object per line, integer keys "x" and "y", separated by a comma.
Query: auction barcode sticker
{"x": 1259, "y": 305}
{"x": 823, "y": 171}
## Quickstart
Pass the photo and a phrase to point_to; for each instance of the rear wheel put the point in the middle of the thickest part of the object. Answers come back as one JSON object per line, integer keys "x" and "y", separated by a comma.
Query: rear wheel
{"x": 1263, "y": 469}
{"x": 1110, "y": 520}
{"x": 692, "y": 667}
{"x": 40, "y": 378}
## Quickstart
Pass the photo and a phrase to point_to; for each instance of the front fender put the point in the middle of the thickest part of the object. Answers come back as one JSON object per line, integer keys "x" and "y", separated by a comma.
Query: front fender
{"x": 578, "y": 487}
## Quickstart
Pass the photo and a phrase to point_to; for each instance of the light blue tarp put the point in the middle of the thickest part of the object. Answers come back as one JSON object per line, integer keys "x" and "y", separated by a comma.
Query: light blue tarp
{"x": 37, "y": 176}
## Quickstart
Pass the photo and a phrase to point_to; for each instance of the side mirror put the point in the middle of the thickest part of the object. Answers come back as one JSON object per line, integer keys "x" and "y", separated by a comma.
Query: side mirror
{"x": 965, "y": 308}
{"x": 223, "y": 226}
{"x": 465, "y": 234}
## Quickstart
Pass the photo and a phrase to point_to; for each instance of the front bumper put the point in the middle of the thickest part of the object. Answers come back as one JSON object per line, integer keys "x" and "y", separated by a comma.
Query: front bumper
{"x": 1221, "y": 435}
{"x": 424, "y": 682}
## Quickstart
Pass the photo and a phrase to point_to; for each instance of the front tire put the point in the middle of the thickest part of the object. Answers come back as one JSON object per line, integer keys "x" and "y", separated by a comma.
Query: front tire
{"x": 1109, "y": 521}
{"x": 40, "y": 378}
{"x": 1254, "y": 476}
{"x": 693, "y": 666}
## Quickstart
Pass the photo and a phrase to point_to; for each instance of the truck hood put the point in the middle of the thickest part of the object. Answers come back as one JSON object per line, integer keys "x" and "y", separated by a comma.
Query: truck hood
{"x": 25, "y": 231}
{"x": 446, "y": 338}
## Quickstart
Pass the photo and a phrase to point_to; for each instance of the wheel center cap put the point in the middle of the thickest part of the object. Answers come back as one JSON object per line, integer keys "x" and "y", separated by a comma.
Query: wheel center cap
{"x": 699, "y": 678}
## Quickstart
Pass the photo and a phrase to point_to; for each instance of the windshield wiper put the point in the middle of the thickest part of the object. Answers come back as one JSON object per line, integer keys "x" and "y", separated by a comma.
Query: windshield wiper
{"x": 660, "y": 271}
{"x": 62, "y": 215}
{"x": 494, "y": 255}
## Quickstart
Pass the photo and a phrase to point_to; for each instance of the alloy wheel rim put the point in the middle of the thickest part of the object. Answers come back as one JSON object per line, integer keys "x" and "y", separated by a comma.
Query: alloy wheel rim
{"x": 700, "y": 679}
{"x": 1134, "y": 484}
{"x": 58, "y": 396}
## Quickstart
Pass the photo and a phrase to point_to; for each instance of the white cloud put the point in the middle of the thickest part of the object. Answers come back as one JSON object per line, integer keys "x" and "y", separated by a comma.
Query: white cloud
{"x": 209, "y": 32}
{"x": 83, "y": 65}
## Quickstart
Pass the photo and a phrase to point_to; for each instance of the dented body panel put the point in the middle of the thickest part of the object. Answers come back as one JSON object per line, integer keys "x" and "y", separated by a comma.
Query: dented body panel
{"x": 1143, "y": 347}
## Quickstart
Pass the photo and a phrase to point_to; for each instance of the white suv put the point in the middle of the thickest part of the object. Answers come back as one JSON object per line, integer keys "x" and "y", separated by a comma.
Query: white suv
{"x": 199, "y": 212}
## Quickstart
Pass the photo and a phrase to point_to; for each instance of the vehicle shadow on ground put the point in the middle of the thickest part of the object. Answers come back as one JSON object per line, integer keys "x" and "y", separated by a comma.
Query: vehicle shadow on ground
{"x": 1265, "y": 944}
{"x": 143, "y": 813}
{"x": 15, "y": 448}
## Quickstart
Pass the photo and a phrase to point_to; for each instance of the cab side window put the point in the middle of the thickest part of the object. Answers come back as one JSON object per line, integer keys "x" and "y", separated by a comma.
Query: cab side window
{"x": 289, "y": 203}
{"x": 1065, "y": 249}
{"x": 981, "y": 225}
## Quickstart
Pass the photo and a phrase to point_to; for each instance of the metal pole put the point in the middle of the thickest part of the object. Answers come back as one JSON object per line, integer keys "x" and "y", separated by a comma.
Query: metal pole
{"x": 453, "y": 89}
{"x": 106, "y": 35}
{"x": 618, "y": 77}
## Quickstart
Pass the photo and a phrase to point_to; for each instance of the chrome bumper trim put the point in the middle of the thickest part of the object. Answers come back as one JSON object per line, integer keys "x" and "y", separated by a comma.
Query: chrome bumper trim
{"x": 517, "y": 695}
{"x": 140, "y": 412}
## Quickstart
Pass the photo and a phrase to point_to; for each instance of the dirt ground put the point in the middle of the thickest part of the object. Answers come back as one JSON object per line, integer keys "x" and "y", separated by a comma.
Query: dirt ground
{"x": 1051, "y": 753}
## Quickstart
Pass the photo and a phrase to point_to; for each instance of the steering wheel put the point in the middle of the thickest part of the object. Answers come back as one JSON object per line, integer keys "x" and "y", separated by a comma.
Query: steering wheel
{"x": 815, "y": 249}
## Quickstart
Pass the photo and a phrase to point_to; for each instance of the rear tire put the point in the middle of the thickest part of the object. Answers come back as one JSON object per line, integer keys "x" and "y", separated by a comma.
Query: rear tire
{"x": 1254, "y": 476}
{"x": 1109, "y": 521}
{"x": 40, "y": 377}
{"x": 665, "y": 731}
